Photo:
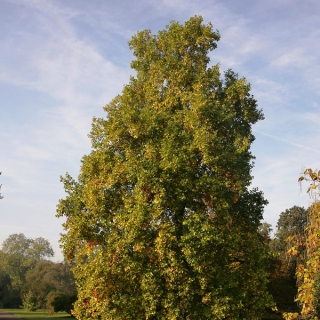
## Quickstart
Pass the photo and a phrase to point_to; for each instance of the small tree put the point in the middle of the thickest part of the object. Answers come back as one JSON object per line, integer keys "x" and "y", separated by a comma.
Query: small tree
{"x": 29, "y": 302}
{"x": 161, "y": 224}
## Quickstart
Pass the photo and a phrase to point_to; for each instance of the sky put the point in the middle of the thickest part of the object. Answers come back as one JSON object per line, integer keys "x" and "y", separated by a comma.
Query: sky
{"x": 62, "y": 61}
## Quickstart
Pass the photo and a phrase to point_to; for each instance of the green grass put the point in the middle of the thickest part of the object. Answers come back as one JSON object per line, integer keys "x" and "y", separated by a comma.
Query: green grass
{"x": 41, "y": 315}
{"x": 37, "y": 315}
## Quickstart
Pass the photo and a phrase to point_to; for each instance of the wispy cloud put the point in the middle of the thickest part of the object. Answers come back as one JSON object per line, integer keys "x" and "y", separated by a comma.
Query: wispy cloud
{"x": 289, "y": 142}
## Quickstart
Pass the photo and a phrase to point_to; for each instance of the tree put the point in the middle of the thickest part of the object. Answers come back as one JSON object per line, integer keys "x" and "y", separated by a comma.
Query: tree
{"x": 18, "y": 255}
{"x": 161, "y": 223}
{"x": 40, "y": 249}
{"x": 9, "y": 294}
{"x": 22, "y": 255}
{"x": 17, "y": 263}
{"x": 5, "y": 283}
{"x": 308, "y": 274}
{"x": 64, "y": 302}
{"x": 265, "y": 230}
{"x": 282, "y": 282}
{"x": 48, "y": 280}
{"x": 291, "y": 227}
{"x": 36, "y": 249}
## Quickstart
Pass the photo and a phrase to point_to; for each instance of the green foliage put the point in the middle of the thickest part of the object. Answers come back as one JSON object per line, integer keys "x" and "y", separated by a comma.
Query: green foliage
{"x": 38, "y": 284}
{"x": 64, "y": 303}
{"x": 290, "y": 236}
{"x": 308, "y": 273}
{"x": 32, "y": 249}
{"x": 161, "y": 224}
{"x": 5, "y": 285}
{"x": 40, "y": 249}
{"x": 20, "y": 254}
{"x": 291, "y": 229}
{"x": 316, "y": 295}
{"x": 265, "y": 230}
{"x": 29, "y": 301}
{"x": 282, "y": 286}
{"x": 9, "y": 295}
{"x": 49, "y": 279}
{"x": 282, "y": 283}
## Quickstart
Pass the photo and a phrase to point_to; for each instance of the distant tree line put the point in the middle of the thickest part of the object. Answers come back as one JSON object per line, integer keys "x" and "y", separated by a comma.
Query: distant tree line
{"x": 29, "y": 280}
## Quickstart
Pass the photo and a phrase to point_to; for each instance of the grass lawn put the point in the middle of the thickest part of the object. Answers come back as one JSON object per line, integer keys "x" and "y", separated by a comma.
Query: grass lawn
{"x": 37, "y": 315}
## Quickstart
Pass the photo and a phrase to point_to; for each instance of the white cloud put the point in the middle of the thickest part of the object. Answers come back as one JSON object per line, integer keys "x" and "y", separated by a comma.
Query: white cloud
{"x": 294, "y": 58}
{"x": 305, "y": 147}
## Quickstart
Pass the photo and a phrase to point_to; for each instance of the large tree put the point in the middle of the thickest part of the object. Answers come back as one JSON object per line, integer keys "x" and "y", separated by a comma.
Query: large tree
{"x": 161, "y": 223}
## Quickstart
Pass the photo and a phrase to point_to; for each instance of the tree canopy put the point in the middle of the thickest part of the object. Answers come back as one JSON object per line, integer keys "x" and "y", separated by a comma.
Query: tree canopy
{"x": 161, "y": 223}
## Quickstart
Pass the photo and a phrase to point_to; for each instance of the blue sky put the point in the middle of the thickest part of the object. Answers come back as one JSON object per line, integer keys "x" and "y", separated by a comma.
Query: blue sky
{"x": 62, "y": 61}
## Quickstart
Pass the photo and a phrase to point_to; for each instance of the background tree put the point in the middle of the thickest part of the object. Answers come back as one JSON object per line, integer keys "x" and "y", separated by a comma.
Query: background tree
{"x": 20, "y": 254}
{"x": 40, "y": 249}
{"x": 17, "y": 261}
{"x": 291, "y": 227}
{"x": 265, "y": 230}
{"x": 5, "y": 282}
{"x": 64, "y": 302}
{"x": 161, "y": 224}
{"x": 283, "y": 283}
{"x": 46, "y": 281}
